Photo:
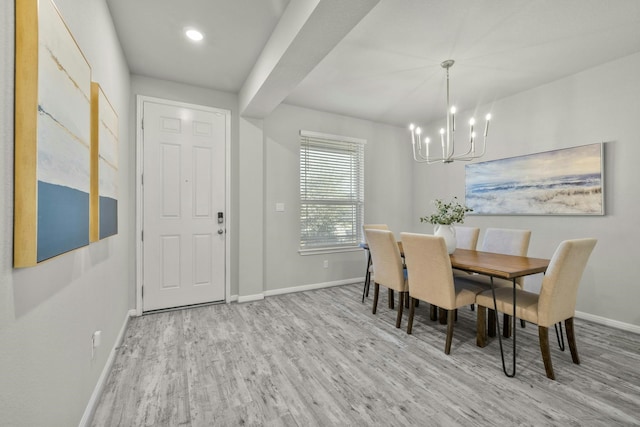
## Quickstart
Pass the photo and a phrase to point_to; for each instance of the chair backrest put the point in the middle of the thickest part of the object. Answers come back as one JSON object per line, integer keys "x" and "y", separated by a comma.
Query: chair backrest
{"x": 559, "y": 290}
{"x": 467, "y": 237}
{"x": 366, "y": 227}
{"x": 429, "y": 269}
{"x": 506, "y": 241}
{"x": 386, "y": 259}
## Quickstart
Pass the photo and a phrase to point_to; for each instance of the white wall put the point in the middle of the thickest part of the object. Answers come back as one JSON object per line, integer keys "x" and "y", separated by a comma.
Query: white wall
{"x": 388, "y": 193}
{"x": 598, "y": 105}
{"x": 265, "y": 170}
{"x": 48, "y": 313}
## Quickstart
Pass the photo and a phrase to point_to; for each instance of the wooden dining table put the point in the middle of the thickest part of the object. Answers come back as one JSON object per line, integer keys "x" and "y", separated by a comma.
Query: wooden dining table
{"x": 503, "y": 266}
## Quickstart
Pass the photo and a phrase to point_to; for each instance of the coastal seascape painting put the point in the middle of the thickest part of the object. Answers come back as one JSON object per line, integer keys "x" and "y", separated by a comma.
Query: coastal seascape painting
{"x": 568, "y": 181}
{"x": 53, "y": 136}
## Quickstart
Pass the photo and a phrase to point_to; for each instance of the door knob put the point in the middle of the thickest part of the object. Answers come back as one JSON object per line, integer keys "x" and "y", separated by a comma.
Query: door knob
{"x": 220, "y": 231}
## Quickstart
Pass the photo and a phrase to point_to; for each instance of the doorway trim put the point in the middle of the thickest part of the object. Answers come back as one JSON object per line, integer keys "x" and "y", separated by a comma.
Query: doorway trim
{"x": 140, "y": 100}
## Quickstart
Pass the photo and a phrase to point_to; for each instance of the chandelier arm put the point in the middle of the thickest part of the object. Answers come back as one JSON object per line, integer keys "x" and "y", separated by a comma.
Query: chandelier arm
{"x": 418, "y": 153}
{"x": 484, "y": 146}
{"x": 419, "y": 157}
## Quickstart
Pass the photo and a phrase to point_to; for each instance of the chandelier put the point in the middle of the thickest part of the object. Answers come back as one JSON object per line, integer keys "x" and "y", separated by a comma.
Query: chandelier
{"x": 423, "y": 154}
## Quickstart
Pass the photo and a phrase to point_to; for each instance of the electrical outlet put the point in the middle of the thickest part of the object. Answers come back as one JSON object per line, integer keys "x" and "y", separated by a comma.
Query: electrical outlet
{"x": 325, "y": 264}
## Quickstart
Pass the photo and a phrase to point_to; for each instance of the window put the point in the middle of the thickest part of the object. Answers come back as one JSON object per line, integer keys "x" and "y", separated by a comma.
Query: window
{"x": 331, "y": 192}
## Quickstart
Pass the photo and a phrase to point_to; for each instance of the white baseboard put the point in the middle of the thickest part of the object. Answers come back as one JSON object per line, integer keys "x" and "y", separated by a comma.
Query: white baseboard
{"x": 313, "y": 286}
{"x": 97, "y": 391}
{"x": 249, "y": 298}
{"x": 608, "y": 322}
{"x": 282, "y": 291}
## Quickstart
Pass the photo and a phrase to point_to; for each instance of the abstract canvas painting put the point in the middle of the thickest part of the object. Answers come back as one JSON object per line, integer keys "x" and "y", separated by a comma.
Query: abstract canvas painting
{"x": 52, "y": 142}
{"x": 104, "y": 166}
{"x": 568, "y": 181}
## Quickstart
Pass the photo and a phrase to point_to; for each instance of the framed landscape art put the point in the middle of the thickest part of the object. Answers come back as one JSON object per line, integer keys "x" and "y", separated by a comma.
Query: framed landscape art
{"x": 52, "y": 136}
{"x": 104, "y": 166}
{"x": 568, "y": 181}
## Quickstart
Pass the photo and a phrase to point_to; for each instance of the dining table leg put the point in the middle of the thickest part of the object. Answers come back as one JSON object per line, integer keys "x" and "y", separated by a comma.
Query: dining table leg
{"x": 495, "y": 306}
{"x": 367, "y": 278}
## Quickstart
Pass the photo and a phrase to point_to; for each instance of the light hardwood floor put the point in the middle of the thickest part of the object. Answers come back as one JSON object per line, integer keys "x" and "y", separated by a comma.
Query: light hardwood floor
{"x": 320, "y": 358}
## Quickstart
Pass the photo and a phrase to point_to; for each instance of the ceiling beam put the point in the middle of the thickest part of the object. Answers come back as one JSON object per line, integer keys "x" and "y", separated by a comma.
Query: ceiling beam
{"x": 306, "y": 33}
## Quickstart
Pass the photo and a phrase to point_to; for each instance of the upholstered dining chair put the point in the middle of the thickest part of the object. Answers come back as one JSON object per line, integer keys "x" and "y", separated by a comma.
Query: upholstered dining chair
{"x": 467, "y": 237}
{"x": 555, "y": 303}
{"x": 431, "y": 279}
{"x": 370, "y": 269}
{"x": 505, "y": 241}
{"x": 389, "y": 270}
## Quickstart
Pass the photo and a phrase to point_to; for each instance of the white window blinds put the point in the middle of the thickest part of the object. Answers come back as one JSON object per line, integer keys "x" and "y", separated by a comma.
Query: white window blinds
{"x": 331, "y": 191}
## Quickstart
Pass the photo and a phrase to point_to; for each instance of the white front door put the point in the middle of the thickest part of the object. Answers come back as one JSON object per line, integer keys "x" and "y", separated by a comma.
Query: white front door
{"x": 184, "y": 217}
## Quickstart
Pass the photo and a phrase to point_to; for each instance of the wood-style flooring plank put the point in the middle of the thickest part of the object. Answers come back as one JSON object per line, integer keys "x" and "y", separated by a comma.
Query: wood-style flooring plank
{"x": 320, "y": 358}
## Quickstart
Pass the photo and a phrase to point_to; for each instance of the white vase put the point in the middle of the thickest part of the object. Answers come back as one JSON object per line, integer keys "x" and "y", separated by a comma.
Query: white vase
{"x": 449, "y": 234}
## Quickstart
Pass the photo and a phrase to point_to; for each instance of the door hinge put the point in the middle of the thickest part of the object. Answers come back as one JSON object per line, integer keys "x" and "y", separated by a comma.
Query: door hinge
{"x": 143, "y": 291}
{"x": 142, "y": 179}
{"x": 142, "y": 124}
{"x": 142, "y": 235}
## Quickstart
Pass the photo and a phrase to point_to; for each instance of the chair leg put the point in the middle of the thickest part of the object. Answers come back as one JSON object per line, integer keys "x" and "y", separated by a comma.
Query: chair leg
{"x": 506, "y": 327}
{"x": 400, "y": 308}
{"x": 523, "y": 324}
{"x": 492, "y": 323}
{"x": 543, "y": 335}
{"x": 412, "y": 309}
{"x": 472, "y": 307}
{"x": 376, "y": 292}
{"x": 391, "y": 299}
{"x": 481, "y": 327}
{"x": 571, "y": 337}
{"x": 442, "y": 316}
{"x": 450, "y": 323}
{"x": 433, "y": 312}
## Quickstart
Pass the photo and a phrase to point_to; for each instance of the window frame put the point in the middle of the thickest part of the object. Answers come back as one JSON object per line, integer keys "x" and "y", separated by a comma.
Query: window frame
{"x": 353, "y": 197}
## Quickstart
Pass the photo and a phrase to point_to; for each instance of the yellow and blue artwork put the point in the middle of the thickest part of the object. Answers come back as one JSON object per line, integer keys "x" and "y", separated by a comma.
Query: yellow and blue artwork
{"x": 104, "y": 168}
{"x": 53, "y": 136}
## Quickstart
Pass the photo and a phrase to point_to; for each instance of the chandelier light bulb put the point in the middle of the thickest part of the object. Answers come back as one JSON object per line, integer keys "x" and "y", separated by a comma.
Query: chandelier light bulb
{"x": 412, "y": 126}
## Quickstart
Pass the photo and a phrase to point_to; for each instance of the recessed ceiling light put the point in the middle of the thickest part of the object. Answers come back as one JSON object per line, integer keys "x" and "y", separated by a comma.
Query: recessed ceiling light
{"x": 194, "y": 35}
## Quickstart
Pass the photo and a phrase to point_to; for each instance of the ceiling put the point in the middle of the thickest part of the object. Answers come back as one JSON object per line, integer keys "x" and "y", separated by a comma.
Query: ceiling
{"x": 383, "y": 64}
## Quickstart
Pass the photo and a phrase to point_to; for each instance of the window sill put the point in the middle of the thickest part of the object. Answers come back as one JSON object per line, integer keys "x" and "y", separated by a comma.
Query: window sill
{"x": 306, "y": 252}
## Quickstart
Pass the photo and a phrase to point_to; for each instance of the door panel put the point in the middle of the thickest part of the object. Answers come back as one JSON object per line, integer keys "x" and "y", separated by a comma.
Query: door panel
{"x": 183, "y": 191}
